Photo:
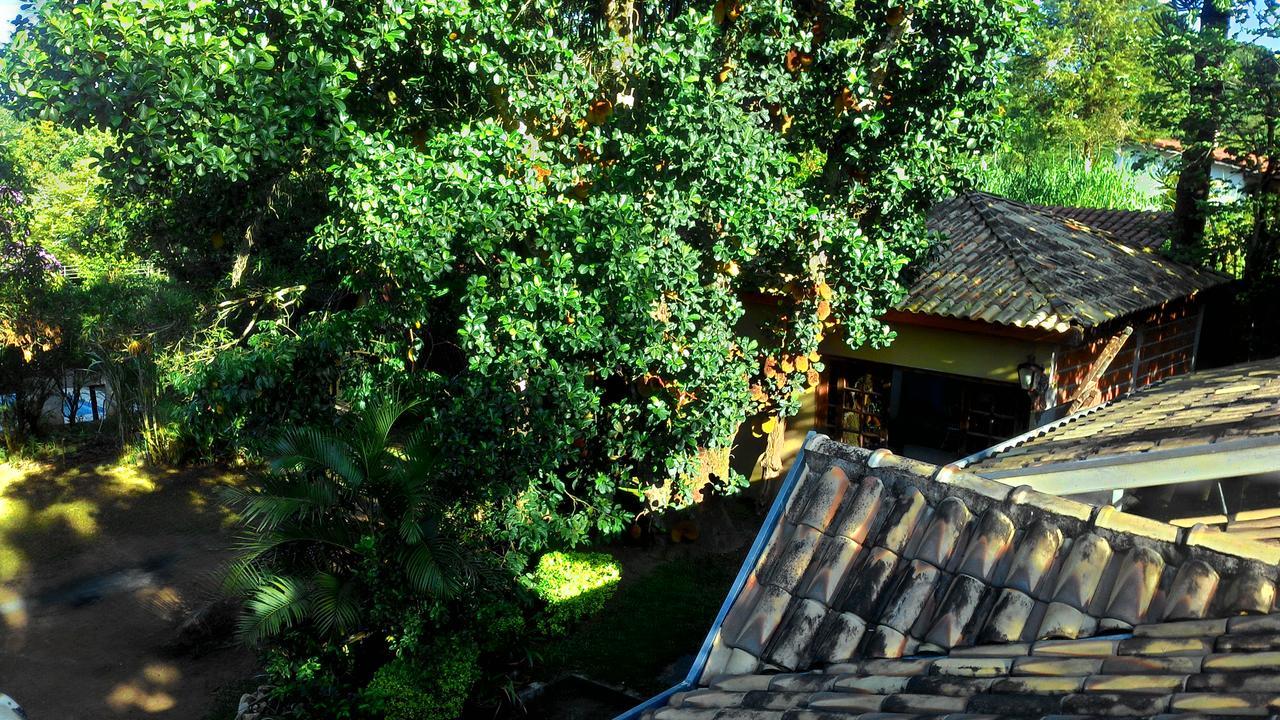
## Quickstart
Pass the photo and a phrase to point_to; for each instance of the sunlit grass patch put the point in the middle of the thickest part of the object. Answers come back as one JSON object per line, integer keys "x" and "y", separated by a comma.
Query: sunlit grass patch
{"x": 677, "y": 601}
{"x": 78, "y": 515}
{"x": 129, "y": 479}
{"x": 12, "y": 474}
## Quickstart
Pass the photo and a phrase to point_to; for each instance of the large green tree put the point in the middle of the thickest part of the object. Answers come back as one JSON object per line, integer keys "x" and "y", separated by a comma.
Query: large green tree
{"x": 544, "y": 216}
{"x": 1209, "y": 92}
{"x": 1080, "y": 81}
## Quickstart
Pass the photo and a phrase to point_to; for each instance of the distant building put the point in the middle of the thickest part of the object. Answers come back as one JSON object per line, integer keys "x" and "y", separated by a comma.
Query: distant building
{"x": 1002, "y": 329}
{"x": 1156, "y": 163}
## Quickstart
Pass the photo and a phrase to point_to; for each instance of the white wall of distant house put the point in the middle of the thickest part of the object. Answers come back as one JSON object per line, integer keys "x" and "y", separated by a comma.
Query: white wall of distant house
{"x": 1154, "y": 168}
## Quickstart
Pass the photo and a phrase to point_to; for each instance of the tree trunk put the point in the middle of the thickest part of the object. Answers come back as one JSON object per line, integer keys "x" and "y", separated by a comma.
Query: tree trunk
{"x": 834, "y": 172}
{"x": 1200, "y": 127}
{"x": 1261, "y": 254}
{"x": 253, "y": 232}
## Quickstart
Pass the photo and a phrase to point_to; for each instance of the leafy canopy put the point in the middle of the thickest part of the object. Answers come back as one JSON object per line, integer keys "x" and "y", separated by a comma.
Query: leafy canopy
{"x": 1080, "y": 82}
{"x": 544, "y": 215}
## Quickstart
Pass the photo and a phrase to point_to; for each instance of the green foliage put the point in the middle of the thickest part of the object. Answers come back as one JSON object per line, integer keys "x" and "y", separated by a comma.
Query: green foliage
{"x": 345, "y": 534}
{"x": 541, "y": 219}
{"x": 239, "y": 398}
{"x": 164, "y": 58}
{"x": 35, "y": 334}
{"x": 310, "y": 679}
{"x": 70, "y": 213}
{"x": 433, "y": 689}
{"x": 1079, "y": 83}
{"x": 1055, "y": 177}
{"x": 574, "y": 585}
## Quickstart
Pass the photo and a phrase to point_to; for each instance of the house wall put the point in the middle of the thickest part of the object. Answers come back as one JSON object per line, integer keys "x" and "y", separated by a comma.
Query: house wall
{"x": 969, "y": 354}
{"x": 988, "y": 357}
{"x": 1163, "y": 344}
{"x": 1155, "y": 168}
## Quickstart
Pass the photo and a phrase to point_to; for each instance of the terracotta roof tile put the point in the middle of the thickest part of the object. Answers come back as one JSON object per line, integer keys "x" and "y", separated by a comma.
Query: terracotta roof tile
{"x": 1014, "y": 264}
{"x": 1140, "y": 228}
{"x": 957, "y": 601}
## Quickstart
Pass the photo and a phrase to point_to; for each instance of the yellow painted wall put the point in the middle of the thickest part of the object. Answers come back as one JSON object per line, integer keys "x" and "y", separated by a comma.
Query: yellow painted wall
{"x": 989, "y": 357}
{"x": 749, "y": 445}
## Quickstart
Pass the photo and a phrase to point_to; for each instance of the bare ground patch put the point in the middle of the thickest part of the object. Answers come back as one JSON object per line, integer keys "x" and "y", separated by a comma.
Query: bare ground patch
{"x": 98, "y": 565}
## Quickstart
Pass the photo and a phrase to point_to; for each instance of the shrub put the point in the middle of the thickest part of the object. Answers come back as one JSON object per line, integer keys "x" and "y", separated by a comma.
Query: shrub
{"x": 245, "y": 393}
{"x": 345, "y": 535}
{"x": 435, "y": 688}
{"x": 575, "y": 585}
{"x": 500, "y": 626}
{"x": 309, "y": 679}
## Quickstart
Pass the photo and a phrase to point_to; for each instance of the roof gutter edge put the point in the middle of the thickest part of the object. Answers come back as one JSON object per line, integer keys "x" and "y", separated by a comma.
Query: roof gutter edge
{"x": 1209, "y": 461}
{"x": 748, "y": 564}
{"x": 1031, "y": 434}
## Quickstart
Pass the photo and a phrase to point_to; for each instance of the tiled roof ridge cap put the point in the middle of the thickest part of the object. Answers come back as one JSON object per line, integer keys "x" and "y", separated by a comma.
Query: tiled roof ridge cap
{"x": 1091, "y": 208}
{"x": 983, "y": 205}
{"x": 1064, "y": 212}
{"x": 1198, "y": 538}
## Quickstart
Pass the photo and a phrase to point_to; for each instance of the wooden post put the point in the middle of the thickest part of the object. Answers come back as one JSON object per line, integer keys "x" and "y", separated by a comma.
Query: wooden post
{"x": 1087, "y": 393}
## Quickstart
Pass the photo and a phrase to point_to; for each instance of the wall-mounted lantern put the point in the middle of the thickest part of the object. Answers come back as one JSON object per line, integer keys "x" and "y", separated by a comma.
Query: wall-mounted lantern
{"x": 1031, "y": 376}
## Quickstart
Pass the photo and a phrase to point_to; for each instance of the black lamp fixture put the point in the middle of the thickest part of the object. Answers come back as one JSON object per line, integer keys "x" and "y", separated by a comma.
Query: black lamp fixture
{"x": 1030, "y": 375}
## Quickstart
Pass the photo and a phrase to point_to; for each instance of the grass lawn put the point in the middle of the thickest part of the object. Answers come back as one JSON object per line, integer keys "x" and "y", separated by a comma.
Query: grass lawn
{"x": 649, "y": 624}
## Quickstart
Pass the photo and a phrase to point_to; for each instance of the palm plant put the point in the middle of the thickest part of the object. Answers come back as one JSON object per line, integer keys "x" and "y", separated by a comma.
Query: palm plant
{"x": 342, "y": 522}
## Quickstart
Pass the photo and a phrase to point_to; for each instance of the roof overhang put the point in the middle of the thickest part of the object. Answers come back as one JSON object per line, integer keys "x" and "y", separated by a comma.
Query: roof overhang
{"x": 1213, "y": 461}
{"x": 977, "y": 327}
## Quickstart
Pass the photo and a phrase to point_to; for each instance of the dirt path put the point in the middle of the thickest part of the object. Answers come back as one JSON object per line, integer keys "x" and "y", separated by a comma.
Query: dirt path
{"x": 98, "y": 564}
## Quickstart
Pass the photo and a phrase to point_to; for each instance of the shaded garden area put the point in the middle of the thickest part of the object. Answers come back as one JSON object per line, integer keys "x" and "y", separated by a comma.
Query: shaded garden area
{"x": 101, "y": 566}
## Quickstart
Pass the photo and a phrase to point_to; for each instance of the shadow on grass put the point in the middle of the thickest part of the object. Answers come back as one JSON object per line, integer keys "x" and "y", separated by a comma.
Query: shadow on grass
{"x": 651, "y": 623}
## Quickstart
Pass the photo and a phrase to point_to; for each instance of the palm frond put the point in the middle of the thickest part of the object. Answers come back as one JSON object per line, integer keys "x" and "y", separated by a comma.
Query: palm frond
{"x": 312, "y": 450}
{"x": 336, "y": 609}
{"x": 277, "y": 604}
{"x": 374, "y": 429}
{"x": 269, "y": 511}
{"x": 423, "y": 568}
{"x": 242, "y": 575}
{"x": 252, "y": 546}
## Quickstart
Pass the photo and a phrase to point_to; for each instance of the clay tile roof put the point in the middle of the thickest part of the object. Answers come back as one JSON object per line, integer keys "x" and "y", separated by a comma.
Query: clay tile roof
{"x": 1014, "y": 264}
{"x": 888, "y": 588}
{"x": 1198, "y": 409}
{"x": 1139, "y": 228}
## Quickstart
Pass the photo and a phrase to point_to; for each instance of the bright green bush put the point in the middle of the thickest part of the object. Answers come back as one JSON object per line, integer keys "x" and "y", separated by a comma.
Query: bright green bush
{"x": 435, "y": 688}
{"x": 575, "y": 585}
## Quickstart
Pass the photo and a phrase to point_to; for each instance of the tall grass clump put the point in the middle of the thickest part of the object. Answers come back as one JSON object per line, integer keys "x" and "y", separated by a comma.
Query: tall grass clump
{"x": 1056, "y": 177}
